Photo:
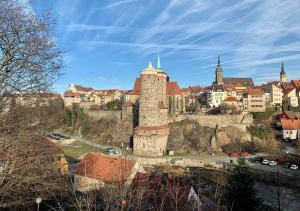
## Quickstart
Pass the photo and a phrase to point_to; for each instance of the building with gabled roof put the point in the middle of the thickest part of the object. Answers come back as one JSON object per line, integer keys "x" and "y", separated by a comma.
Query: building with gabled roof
{"x": 98, "y": 170}
{"x": 290, "y": 128}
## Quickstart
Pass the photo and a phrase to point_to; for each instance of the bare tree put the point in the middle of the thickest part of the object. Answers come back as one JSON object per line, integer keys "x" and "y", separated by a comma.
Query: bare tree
{"x": 29, "y": 57}
{"x": 30, "y": 61}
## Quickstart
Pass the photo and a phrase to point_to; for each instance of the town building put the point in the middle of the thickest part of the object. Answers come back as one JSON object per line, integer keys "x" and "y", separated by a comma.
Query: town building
{"x": 215, "y": 96}
{"x": 254, "y": 100}
{"x": 283, "y": 92}
{"x": 290, "y": 128}
{"x": 151, "y": 134}
{"x": 224, "y": 87}
{"x": 98, "y": 170}
{"x": 232, "y": 101}
{"x": 71, "y": 98}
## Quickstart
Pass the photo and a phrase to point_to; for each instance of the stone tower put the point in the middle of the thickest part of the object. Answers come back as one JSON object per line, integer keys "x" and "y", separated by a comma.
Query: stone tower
{"x": 282, "y": 74}
{"x": 151, "y": 135}
{"x": 219, "y": 73}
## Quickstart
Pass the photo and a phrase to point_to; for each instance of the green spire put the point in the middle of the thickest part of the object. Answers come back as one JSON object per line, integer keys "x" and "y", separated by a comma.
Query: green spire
{"x": 158, "y": 66}
{"x": 219, "y": 60}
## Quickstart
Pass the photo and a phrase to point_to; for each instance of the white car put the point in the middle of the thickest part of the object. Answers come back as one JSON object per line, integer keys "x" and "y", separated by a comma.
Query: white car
{"x": 294, "y": 167}
{"x": 272, "y": 163}
{"x": 265, "y": 162}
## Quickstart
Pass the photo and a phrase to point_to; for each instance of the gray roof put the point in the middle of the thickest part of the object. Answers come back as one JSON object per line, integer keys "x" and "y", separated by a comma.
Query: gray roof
{"x": 244, "y": 81}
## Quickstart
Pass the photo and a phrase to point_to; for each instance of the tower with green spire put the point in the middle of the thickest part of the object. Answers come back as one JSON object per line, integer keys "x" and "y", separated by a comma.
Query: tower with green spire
{"x": 219, "y": 73}
{"x": 282, "y": 74}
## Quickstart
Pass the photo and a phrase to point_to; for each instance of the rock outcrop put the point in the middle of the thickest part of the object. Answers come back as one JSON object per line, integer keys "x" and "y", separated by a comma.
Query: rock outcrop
{"x": 189, "y": 136}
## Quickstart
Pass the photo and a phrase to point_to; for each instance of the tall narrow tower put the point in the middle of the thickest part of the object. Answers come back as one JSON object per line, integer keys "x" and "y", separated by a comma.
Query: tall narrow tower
{"x": 219, "y": 73}
{"x": 151, "y": 135}
{"x": 282, "y": 74}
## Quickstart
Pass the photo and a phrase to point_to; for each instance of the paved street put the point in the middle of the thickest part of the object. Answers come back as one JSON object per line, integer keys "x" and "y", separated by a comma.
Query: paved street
{"x": 208, "y": 158}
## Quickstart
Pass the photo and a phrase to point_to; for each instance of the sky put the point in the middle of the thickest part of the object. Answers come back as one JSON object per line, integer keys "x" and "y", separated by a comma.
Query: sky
{"x": 108, "y": 42}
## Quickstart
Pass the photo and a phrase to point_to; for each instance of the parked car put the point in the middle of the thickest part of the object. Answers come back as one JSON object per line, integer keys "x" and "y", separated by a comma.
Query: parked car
{"x": 294, "y": 167}
{"x": 265, "y": 162}
{"x": 111, "y": 151}
{"x": 287, "y": 165}
{"x": 272, "y": 163}
{"x": 258, "y": 159}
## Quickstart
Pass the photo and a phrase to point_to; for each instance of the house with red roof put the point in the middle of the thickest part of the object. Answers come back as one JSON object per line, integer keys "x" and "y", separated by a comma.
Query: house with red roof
{"x": 290, "y": 128}
{"x": 71, "y": 98}
{"x": 232, "y": 101}
{"x": 98, "y": 170}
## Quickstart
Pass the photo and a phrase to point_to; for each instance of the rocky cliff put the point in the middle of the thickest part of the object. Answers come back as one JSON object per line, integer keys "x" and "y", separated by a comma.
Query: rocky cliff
{"x": 190, "y": 136}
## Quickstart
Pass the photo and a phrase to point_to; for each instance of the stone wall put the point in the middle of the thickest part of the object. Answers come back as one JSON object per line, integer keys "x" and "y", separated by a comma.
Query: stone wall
{"x": 150, "y": 145}
{"x": 239, "y": 121}
{"x": 85, "y": 184}
{"x": 104, "y": 114}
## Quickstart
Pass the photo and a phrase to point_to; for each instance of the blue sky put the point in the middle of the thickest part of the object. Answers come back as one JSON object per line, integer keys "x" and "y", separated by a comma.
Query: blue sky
{"x": 108, "y": 42}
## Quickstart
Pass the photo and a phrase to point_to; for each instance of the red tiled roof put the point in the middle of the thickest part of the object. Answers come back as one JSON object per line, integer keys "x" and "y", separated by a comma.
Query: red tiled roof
{"x": 44, "y": 95}
{"x": 255, "y": 91}
{"x": 173, "y": 88}
{"x": 230, "y": 99}
{"x": 71, "y": 94}
{"x": 296, "y": 84}
{"x": 247, "y": 82}
{"x": 105, "y": 168}
{"x": 290, "y": 124}
{"x": 290, "y": 115}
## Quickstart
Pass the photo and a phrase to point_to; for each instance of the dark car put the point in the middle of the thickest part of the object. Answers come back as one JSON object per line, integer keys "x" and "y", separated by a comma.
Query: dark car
{"x": 287, "y": 165}
{"x": 258, "y": 159}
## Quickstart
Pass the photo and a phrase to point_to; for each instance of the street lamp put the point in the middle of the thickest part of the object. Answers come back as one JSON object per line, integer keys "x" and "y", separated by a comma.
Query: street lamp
{"x": 38, "y": 200}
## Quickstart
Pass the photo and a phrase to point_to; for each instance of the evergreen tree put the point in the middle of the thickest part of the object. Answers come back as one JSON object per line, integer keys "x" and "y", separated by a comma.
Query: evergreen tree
{"x": 240, "y": 192}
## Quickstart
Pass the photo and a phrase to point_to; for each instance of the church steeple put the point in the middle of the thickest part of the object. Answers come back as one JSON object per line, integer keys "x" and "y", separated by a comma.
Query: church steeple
{"x": 282, "y": 74}
{"x": 219, "y": 73}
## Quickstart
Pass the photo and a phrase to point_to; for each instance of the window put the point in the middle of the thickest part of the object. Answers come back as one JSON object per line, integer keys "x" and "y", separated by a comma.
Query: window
{"x": 144, "y": 145}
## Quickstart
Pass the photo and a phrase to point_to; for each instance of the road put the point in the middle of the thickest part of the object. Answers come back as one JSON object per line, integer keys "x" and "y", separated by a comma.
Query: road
{"x": 209, "y": 158}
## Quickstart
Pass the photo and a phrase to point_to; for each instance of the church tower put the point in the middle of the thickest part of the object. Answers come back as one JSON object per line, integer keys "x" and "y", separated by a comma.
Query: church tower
{"x": 282, "y": 74}
{"x": 219, "y": 73}
{"x": 151, "y": 135}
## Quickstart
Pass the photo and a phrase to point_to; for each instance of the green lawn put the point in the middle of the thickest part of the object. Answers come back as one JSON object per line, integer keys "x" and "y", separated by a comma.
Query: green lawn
{"x": 75, "y": 150}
